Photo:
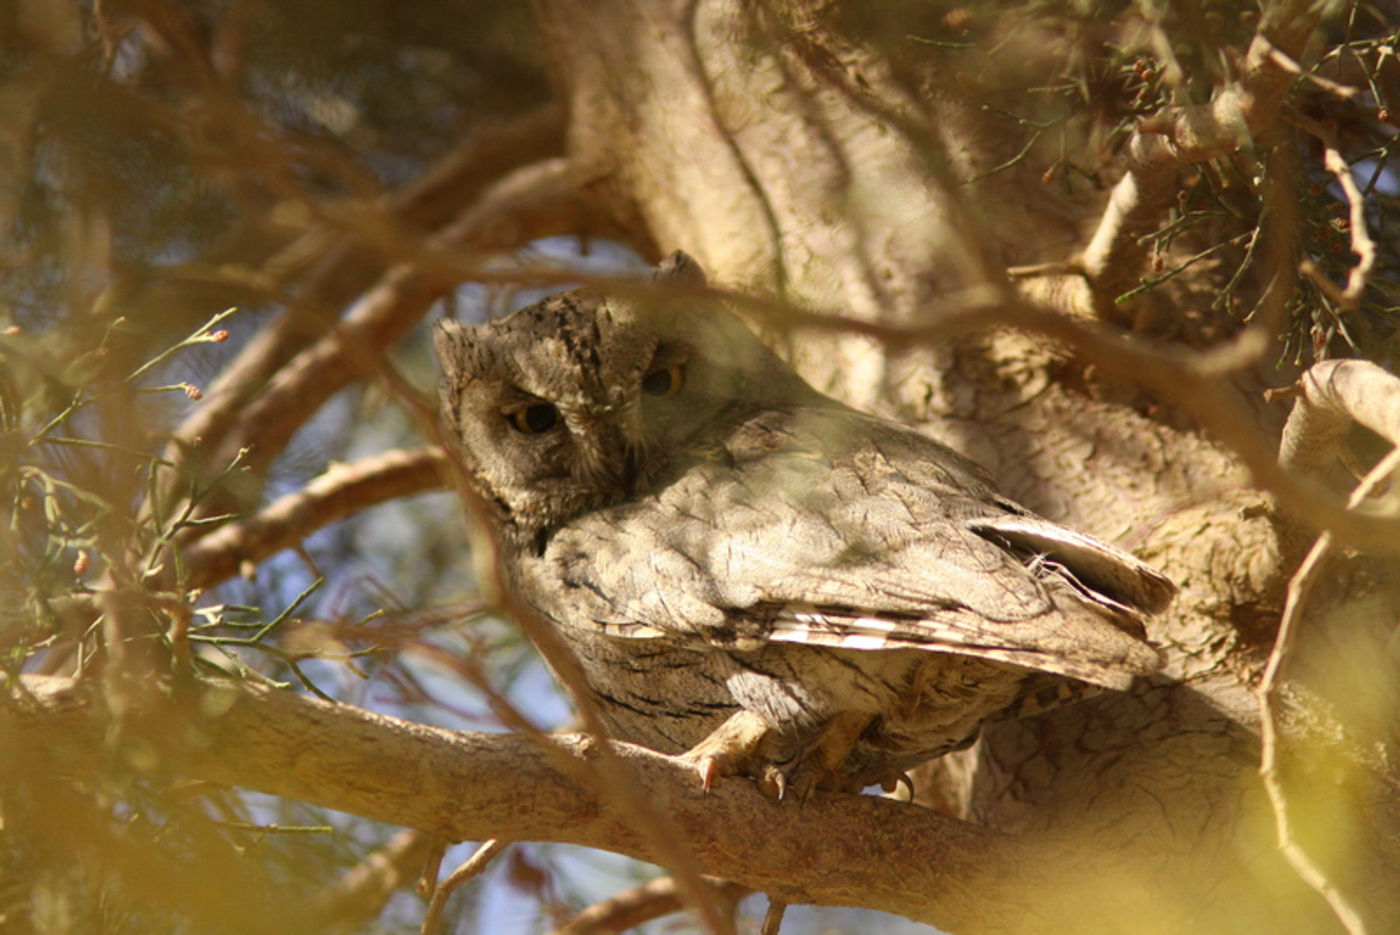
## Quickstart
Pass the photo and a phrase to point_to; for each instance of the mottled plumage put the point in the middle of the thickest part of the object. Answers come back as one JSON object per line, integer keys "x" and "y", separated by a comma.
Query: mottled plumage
{"x": 723, "y": 545}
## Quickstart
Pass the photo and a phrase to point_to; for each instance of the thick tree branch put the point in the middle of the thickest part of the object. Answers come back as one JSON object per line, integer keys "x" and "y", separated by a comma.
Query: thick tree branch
{"x": 855, "y": 850}
{"x": 1331, "y": 396}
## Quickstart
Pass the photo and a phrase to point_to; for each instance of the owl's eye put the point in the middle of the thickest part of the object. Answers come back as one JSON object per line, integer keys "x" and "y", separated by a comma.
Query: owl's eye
{"x": 532, "y": 420}
{"x": 664, "y": 382}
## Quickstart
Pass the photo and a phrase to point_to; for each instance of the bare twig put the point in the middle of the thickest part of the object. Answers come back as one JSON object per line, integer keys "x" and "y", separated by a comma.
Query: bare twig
{"x": 470, "y": 869}
{"x": 773, "y": 918}
{"x": 1298, "y": 590}
{"x": 1361, "y": 243}
{"x": 1345, "y": 92}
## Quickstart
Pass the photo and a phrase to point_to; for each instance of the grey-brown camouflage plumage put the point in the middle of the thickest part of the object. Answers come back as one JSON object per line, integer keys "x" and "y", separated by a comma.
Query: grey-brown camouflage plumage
{"x": 723, "y": 545}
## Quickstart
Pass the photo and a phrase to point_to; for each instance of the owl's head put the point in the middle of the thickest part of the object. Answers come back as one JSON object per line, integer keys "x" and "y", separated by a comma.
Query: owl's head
{"x": 580, "y": 400}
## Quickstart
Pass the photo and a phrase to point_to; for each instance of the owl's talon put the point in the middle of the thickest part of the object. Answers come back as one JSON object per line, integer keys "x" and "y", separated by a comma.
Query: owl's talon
{"x": 708, "y": 769}
{"x": 891, "y": 783}
{"x": 730, "y": 749}
{"x": 773, "y": 783}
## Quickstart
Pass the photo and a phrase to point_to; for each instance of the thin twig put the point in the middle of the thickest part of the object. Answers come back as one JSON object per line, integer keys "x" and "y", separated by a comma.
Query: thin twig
{"x": 1345, "y": 92}
{"x": 773, "y": 918}
{"x": 1298, "y": 590}
{"x": 1361, "y": 243}
{"x": 469, "y": 869}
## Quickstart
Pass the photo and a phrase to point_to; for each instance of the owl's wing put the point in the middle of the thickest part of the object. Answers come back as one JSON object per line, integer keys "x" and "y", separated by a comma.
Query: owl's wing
{"x": 877, "y": 540}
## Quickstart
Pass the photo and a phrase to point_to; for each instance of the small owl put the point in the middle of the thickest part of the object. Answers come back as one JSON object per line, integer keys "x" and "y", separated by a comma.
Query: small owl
{"x": 754, "y": 574}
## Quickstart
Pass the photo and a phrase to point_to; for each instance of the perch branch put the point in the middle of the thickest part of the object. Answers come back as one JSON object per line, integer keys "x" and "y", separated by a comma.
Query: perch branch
{"x": 469, "y": 786}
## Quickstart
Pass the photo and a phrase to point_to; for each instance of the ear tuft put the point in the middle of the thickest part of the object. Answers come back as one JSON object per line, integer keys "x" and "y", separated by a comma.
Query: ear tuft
{"x": 447, "y": 343}
{"x": 679, "y": 269}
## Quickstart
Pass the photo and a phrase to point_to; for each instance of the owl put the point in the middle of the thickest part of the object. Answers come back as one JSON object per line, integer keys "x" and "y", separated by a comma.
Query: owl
{"x": 757, "y": 576}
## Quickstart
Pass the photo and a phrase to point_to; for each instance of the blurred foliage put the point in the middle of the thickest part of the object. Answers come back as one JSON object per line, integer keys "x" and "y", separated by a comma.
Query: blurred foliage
{"x": 155, "y": 158}
{"x": 163, "y": 161}
{"x": 149, "y": 147}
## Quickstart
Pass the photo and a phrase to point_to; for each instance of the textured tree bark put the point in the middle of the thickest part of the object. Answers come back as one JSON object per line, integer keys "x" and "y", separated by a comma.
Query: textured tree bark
{"x": 808, "y": 179}
{"x": 466, "y": 786}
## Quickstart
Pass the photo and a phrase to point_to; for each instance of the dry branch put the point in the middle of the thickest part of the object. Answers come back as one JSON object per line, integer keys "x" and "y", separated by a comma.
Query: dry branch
{"x": 468, "y": 871}
{"x": 343, "y": 270}
{"x": 1182, "y": 136}
{"x": 341, "y": 491}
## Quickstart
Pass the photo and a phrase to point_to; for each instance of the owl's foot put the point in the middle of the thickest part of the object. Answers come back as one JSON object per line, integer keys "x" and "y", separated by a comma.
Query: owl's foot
{"x": 745, "y": 745}
{"x": 818, "y": 764}
{"x": 733, "y": 748}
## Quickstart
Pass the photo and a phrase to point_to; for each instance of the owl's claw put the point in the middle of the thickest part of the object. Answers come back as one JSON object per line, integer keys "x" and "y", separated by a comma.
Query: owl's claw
{"x": 745, "y": 745}
{"x": 773, "y": 783}
{"x": 730, "y": 749}
{"x": 818, "y": 764}
{"x": 892, "y": 782}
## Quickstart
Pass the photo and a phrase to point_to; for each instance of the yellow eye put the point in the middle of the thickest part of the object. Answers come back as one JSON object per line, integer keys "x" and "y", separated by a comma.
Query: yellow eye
{"x": 532, "y": 420}
{"x": 664, "y": 382}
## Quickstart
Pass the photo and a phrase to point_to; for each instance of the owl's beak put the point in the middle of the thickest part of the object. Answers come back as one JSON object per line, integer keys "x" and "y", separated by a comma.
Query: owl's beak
{"x": 613, "y": 456}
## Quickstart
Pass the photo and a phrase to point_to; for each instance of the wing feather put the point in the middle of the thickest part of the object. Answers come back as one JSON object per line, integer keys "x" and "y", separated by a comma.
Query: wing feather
{"x": 793, "y": 535}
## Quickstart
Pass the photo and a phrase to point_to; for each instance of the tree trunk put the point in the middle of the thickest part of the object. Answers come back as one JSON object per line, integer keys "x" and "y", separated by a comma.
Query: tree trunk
{"x": 819, "y": 173}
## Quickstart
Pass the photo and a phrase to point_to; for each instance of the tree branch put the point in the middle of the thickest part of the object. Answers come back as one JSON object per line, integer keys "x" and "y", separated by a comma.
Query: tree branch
{"x": 341, "y": 491}
{"x": 343, "y": 270}
{"x": 1182, "y": 136}
{"x": 627, "y": 910}
{"x": 855, "y": 850}
{"x": 1332, "y": 395}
